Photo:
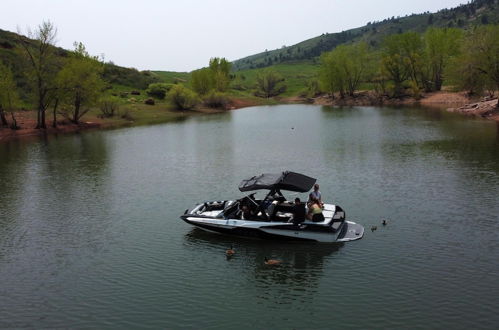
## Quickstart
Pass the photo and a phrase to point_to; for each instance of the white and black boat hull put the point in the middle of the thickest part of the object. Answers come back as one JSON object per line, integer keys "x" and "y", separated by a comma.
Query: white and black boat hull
{"x": 341, "y": 232}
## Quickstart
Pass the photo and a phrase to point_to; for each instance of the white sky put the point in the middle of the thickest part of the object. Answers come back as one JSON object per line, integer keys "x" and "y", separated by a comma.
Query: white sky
{"x": 182, "y": 35}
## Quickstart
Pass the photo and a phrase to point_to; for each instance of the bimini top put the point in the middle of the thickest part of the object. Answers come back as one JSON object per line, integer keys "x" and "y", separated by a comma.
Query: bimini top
{"x": 290, "y": 181}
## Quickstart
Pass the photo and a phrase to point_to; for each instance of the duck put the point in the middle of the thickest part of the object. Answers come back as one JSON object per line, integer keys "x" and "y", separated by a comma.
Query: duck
{"x": 230, "y": 252}
{"x": 373, "y": 228}
{"x": 384, "y": 222}
{"x": 272, "y": 261}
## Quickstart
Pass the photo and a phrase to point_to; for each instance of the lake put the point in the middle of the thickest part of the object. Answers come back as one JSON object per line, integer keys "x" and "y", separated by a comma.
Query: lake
{"x": 90, "y": 235}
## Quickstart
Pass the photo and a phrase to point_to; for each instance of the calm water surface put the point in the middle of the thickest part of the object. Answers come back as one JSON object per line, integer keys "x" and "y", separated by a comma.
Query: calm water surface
{"x": 90, "y": 235}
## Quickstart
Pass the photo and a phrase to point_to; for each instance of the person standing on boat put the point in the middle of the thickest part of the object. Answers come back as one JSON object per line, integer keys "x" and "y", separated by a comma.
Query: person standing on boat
{"x": 315, "y": 195}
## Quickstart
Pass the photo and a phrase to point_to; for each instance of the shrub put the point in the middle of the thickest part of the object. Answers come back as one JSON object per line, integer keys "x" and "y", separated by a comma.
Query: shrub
{"x": 127, "y": 115}
{"x": 311, "y": 90}
{"x": 216, "y": 100}
{"x": 182, "y": 98}
{"x": 269, "y": 83}
{"x": 158, "y": 90}
{"x": 108, "y": 107}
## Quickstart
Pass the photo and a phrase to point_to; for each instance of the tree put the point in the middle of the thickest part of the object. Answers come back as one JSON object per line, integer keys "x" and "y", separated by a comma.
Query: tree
{"x": 269, "y": 83}
{"x": 43, "y": 65}
{"x": 413, "y": 55}
{"x": 220, "y": 70}
{"x": 8, "y": 95}
{"x": 440, "y": 46}
{"x": 400, "y": 60}
{"x": 215, "y": 77}
{"x": 343, "y": 69}
{"x": 80, "y": 83}
{"x": 202, "y": 81}
{"x": 486, "y": 52}
{"x": 330, "y": 78}
{"x": 477, "y": 67}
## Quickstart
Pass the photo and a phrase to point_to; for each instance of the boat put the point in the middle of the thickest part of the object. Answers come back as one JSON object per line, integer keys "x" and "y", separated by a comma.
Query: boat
{"x": 272, "y": 217}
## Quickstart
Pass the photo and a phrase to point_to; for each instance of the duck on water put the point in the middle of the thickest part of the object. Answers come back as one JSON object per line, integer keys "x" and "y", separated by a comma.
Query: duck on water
{"x": 273, "y": 217}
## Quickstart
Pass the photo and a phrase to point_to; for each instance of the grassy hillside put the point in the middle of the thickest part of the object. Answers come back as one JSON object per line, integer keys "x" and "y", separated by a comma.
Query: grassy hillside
{"x": 12, "y": 55}
{"x": 173, "y": 77}
{"x": 296, "y": 76}
{"x": 474, "y": 13}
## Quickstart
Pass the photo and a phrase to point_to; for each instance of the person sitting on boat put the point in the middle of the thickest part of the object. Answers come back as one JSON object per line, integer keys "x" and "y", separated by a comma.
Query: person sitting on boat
{"x": 246, "y": 212}
{"x": 315, "y": 211}
{"x": 298, "y": 212}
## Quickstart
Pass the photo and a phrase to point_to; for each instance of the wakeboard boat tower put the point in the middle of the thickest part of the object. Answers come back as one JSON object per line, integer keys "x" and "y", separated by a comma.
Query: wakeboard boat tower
{"x": 273, "y": 216}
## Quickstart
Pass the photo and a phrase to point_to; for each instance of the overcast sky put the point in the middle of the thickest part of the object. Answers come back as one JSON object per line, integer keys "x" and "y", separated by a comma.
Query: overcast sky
{"x": 182, "y": 35}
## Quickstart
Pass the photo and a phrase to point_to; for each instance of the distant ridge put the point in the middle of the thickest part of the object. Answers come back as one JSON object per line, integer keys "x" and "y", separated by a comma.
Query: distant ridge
{"x": 476, "y": 12}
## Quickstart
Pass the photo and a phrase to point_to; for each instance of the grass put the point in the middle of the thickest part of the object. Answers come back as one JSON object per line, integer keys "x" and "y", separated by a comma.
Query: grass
{"x": 172, "y": 77}
{"x": 296, "y": 76}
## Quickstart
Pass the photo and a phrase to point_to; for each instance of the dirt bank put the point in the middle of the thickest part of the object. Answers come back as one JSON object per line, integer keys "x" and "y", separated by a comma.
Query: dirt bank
{"x": 26, "y": 120}
{"x": 457, "y": 102}
{"x": 441, "y": 99}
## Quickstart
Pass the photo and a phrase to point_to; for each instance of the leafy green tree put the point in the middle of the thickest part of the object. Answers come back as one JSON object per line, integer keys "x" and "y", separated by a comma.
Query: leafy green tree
{"x": 486, "y": 52}
{"x": 330, "y": 76}
{"x": 182, "y": 98}
{"x": 43, "y": 66}
{"x": 203, "y": 81}
{"x": 220, "y": 69}
{"x": 353, "y": 61}
{"x": 343, "y": 69}
{"x": 394, "y": 63}
{"x": 269, "y": 83}
{"x": 477, "y": 67}
{"x": 8, "y": 95}
{"x": 412, "y": 52}
{"x": 80, "y": 83}
{"x": 441, "y": 45}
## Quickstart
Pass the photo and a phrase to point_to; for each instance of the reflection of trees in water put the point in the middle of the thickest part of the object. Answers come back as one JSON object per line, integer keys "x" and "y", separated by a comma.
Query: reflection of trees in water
{"x": 302, "y": 263}
{"x": 13, "y": 159}
{"x": 13, "y": 178}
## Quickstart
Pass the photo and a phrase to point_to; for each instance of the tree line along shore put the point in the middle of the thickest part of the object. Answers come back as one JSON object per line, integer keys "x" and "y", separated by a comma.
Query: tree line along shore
{"x": 66, "y": 93}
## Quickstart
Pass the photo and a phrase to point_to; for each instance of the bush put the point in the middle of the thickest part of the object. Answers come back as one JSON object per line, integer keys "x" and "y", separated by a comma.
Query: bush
{"x": 269, "y": 83}
{"x": 312, "y": 89}
{"x": 158, "y": 90}
{"x": 127, "y": 115}
{"x": 216, "y": 100}
{"x": 182, "y": 98}
{"x": 108, "y": 107}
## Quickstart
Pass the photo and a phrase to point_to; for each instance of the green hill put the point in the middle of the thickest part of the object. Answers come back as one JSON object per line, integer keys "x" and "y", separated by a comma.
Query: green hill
{"x": 10, "y": 54}
{"x": 474, "y": 13}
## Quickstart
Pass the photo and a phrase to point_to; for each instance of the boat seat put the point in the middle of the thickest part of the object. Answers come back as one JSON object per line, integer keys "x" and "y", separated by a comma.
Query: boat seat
{"x": 319, "y": 217}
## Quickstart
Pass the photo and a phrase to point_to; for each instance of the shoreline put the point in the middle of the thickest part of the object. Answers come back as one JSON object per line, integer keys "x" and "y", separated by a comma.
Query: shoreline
{"x": 448, "y": 101}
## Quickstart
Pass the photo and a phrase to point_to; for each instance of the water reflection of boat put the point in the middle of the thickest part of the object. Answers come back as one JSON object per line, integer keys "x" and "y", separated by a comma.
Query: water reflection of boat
{"x": 302, "y": 263}
{"x": 273, "y": 216}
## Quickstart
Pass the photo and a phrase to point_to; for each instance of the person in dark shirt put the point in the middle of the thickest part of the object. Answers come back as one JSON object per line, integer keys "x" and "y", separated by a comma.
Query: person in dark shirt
{"x": 298, "y": 212}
